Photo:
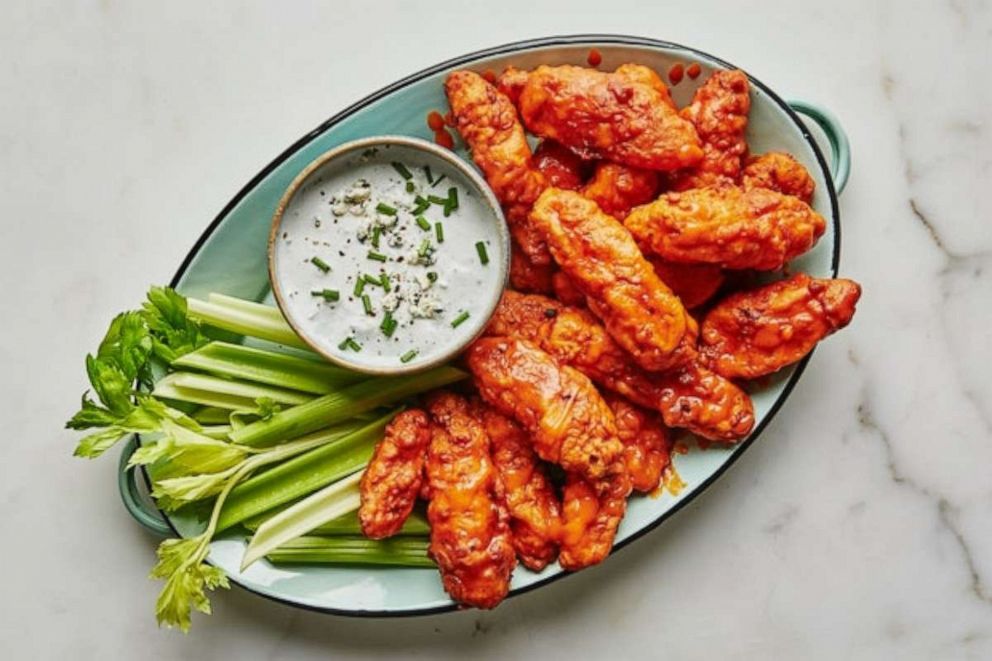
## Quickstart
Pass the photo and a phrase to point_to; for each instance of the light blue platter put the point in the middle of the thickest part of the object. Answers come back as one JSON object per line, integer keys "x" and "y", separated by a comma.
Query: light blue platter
{"x": 230, "y": 258}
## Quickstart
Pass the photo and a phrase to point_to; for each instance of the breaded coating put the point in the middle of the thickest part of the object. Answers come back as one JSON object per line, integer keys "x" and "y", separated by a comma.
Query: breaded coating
{"x": 694, "y": 284}
{"x": 394, "y": 475}
{"x": 535, "y": 513}
{"x": 565, "y": 291}
{"x": 561, "y": 167}
{"x": 757, "y": 332}
{"x": 470, "y": 532}
{"x": 621, "y": 288}
{"x": 778, "y": 171}
{"x": 511, "y": 83}
{"x": 617, "y": 189}
{"x": 591, "y": 512}
{"x": 619, "y": 116}
{"x": 527, "y": 276}
{"x": 488, "y": 122}
{"x": 568, "y": 421}
{"x": 719, "y": 112}
{"x": 646, "y": 443}
{"x": 727, "y": 226}
{"x": 638, "y": 73}
{"x": 691, "y": 397}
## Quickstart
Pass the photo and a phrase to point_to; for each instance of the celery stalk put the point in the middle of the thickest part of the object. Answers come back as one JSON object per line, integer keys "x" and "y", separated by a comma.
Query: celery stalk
{"x": 212, "y": 415}
{"x": 396, "y": 551}
{"x": 269, "y": 367}
{"x": 256, "y": 321}
{"x": 415, "y": 524}
{"x": 319, "y": 507}
{"x": 223, "y": 393}
{"x": 303, "y": 474}
{"x": 341, "y": 405}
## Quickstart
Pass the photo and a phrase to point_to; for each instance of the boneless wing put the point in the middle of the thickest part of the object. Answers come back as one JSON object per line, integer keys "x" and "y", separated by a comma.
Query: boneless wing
{"x": 719, "y": 111}
{"x": 616, "y": 189}
{"x": 694, "y": 284}
{"x": 780, "y": 172}
{"x": 470, "y": 533}
{"x": 621, "y": 288}
{"x": 646, "y": 443}
{"x": 727, "y": 226}
{"x": 394, "y": 475}
{"x": 561, "y": 167}
{"x": 757, "y": 332}
{"x": 621, "y": 116}
{"x": 535, "y": 513}
{"x": 591, "y": 514}
{"x": 568, "y": 421}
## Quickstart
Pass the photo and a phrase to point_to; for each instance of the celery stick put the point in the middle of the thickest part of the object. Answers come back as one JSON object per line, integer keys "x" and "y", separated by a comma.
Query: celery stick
{"x": 251, "y": 307}
{"x": 223, "y": 393}
{"x": 253, "y": 322}
{"x": 303, "y": 474}
{"x": 269, "y": 367}
{"x": 216, "y": 431}
{"x": 415, "y": 524}
{"x": 396, "y": 551}
{"x": 341, "y": 405}
{"x": 212, "y": 415}
{"x": 319, "y": 507}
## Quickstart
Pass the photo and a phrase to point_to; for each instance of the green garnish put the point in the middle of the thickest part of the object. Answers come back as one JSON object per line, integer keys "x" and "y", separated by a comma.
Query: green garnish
{"x": 388, "y": 325}
{"x": 382, "y": 207}
{"x": 440, "y": 201}
{"x": 377, "y": 256}
{"x": 349, "y": 343}
{"x": 372, "y": 280}
{"x": 451, "y": 203}
{"x": 376, "y": 233}
{"x": 384, "y": 281}
{"x": 321, "y": 264}
{"x": 399, "y": 167}
{"x": 367, "y": 304}
{"x": 432, "y": 276}
{"x": 427, "y": 172}
{"x": 408, "y": 356}
{"x": 439, "y": 232}
{"x": 410, "y": 187}
{"x": 438, "y": 180}
{"x": 327, "y": 294}
{"x": 359, "y": 286}
{"x": 480, "y": 247}
{"x": 423, "y": 224}
{"x": 460, "y": 319}
{"x": 424, "y": 248}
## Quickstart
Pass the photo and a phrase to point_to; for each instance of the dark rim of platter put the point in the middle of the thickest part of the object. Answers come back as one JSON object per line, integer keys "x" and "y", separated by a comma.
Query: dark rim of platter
{"x": 567, "y": 40}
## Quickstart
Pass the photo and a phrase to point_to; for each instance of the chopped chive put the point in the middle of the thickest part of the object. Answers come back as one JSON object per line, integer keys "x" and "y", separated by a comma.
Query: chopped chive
{"x": 377, "y": 256}
{"x": 359, "y": 286}
{"x": 384, "y": 280}
{"x": 349, "y": 343}
{"x": 367, "y": 304}
{"x": 399, "y": 167}
{"x": 423, "y": 224}
{"x": 427, "y": 172}
{"x": 440, "y": 201}
{"x": 422, "y": 200}
{"x": 408, "y": 356}
{"x": 425, "y": 246}
{"x": 480, "y": 247}
{"x": 382, "y": 207}
{"x": 432, "y": 276}
{"x": 344, "y": 343}
{"x": 460, "y": 319}
{"x": 422, "y": 205}
{"x": 321, "y": 264}
{"x": 327, "y": 294}
{"x": 439, "y": 232}
{"x": 438, "y": 180}
{"x": 376, "y": 233}
{"x": 453, "y": 197}
{"x": 410, "y": 187}
{"x": 388, "y": 325}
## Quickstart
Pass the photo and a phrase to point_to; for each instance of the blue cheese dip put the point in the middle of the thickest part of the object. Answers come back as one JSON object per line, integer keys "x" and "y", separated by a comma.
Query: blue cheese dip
{"x": 390, "y": 261}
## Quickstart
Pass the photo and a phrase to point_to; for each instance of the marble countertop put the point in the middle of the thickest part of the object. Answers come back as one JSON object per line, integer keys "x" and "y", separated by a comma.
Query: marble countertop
{"x": 860, "y": 526}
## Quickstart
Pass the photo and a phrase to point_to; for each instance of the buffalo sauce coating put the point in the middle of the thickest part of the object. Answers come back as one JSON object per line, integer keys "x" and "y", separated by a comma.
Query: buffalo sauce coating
{"x": 535, "y": 514}
{"x": 646, "y": 443}
{"x": 394, "y": 476}
{"x": 780, "y": 172}
{"x": 591, "y": 514}
{"x": 757, "y": 332}
{"x": 470, "y": 533}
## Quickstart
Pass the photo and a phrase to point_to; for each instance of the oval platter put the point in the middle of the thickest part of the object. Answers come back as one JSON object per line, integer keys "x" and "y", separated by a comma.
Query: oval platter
{"x": 230, "y": 258}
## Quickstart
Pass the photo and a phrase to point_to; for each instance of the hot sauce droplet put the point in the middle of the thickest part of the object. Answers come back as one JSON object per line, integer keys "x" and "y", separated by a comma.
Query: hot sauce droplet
{"x": 595, "y": 57}
{"x": 449, "y": 118}
{"x": 675, "y": 74}
{"x": 435, "y": 121}
{"x": 693, "y": 70}
{"x": 444, "y": 139}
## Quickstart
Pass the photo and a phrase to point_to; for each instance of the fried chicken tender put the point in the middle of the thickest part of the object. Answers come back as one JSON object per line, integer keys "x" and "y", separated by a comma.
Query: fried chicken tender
{"x": 561, "y": 166}
{"x": 757, "y": 332}
{"x": 621, "y": 288}
{"x": 470, "y": 533}
{"x": 527, "y": 276}
{"x": 719, "y": 112}
{"x": 727, "y": 226}
{"x": 617, "y": 189}
{"x": 569, "y": 422}
{"x": 780, "y": 172}
{"x": 646, "y": 443}
{"x": 591, "y": 513}
{"x": 394, "y": 475}
{"x": 566, "y": 291}
{"x": 511, "y": 83}
{"x": 694, "y": 284}
{"x": 535, "y": 513}
{"x": 622, "y": 116}
{"x": 488, "y": 122}
{"x": 690, "y": 397}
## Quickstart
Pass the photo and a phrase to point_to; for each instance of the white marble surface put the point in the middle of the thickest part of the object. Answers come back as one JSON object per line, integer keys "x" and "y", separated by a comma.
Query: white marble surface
{"x": 860, "y": 526}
